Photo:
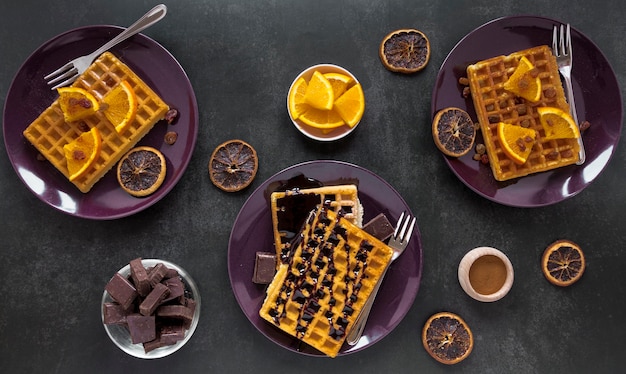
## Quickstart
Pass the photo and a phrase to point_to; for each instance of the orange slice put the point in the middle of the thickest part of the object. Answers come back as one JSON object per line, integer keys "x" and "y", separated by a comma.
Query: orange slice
{"x": 525, "y": 82}
{"x": 121, "y": 106}
{"x": 517, "y": 141}
{"x": 557, "y": 124}
{"x": 82, "y": 152}
{"x": 319, "y": 92}
{"x": 76, "y": 103}
{"x": 351, "y": 105}
{"x": 563, "y": 263}
{"x": 321, "y": 119}
{"x": 141, "y": 171}
{"x": 339, "y": 82}
{"x": 296, "y": 103}
{"x": 447, "y": 338}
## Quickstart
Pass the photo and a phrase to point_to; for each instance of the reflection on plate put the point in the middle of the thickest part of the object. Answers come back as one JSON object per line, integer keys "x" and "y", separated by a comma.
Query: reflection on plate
{"x": 29, "y": 95}
{"x": 598, "y": 100}
{"x": 252, "y": 232}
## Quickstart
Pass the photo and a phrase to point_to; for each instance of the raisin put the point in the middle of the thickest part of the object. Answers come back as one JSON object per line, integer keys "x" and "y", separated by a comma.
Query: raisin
{"x": 585, "y": 126}
{"x": 171, "y": 116}
{"x": 171, "y": 137}
{"x": 464, "y": 81}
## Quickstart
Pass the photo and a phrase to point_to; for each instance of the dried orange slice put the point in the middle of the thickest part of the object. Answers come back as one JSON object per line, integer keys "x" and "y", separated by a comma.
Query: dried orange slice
{"x": 121, "y": 106}
{"x": 557, "y": 124}
{"x": 453, "y": 131}
{"x": 296, "y": 103}
{"x": 141, "y": 171}
{"x": 233, "y": 165}
{"x": 517, "y": 141}
{"x": 525, "y": 81}
{"x": 447, "y": 338}
{"x": 563, "y": 263}
{"x": 339, "y": 82}
{"x": 81, "y": 153}
{"x": 351, "y": 105}
{"x": 322, "y": 119}
{"x": 319, "y": 92}
{"x": 76, "y": 103}
{"x": 405, "y": 51}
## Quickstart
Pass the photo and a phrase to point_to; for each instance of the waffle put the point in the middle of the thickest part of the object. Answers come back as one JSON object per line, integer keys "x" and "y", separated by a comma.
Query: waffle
{"x": 494, "y": 104}
{"x": 317, "y": 296}
{"x": 49, "y": 132}
{"x": 290, "y": 209}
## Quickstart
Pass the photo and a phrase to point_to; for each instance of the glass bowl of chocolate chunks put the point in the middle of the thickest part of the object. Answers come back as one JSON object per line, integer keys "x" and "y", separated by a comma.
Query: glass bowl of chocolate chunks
{"x": 150, "y": 308}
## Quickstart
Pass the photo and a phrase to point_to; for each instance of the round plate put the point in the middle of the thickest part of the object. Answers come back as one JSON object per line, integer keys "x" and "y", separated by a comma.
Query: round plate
{"x": 29, "y": 95}
{"x": 598, "y": 100}
{"x": 252, "y": 232}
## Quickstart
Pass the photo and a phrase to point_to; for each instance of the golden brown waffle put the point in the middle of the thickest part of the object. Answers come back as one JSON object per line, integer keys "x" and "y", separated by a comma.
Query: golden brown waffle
{"x": 317, "y": 296}
{"x": 494, "y": 104}
{"x": 49, "y": 132}
{"x": 290, "y": 209}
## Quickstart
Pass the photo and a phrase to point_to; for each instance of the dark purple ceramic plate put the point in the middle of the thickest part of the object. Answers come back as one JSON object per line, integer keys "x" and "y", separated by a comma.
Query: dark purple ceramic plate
{"x": 29, "y": 95}
{"x": 598, "y": 100}
{"x": 252, "y": 232}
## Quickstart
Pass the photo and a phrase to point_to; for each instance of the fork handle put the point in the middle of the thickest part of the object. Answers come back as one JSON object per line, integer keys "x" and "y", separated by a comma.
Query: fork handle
{"x": 572, "y": 107}
{"x": 153, "y": 16}
{"x": 356, "y": 331}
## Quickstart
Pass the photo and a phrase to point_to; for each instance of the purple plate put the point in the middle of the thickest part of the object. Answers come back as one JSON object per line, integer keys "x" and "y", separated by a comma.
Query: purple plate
{"x": 598, "y": 100}
{"x": 252, "y": 232}
{"x": 29, "y": 95}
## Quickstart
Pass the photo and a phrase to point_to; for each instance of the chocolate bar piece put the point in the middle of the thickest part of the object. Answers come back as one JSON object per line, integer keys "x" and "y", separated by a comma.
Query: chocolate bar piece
{"x": 175, "y": 311}
{"x": 264, "y": 267}
{"x": 166, "y": 335}
{"x": 154, "y": 298}
{"x": 176, "y": 287}
{"x": 157, "y": 273}
{"x": 121, "y": 290}
{"x": 379, "y": 227}
{"x": 142, "y": 328}
{"x": 114, "y": 314}
{"x": 140, "y": 277}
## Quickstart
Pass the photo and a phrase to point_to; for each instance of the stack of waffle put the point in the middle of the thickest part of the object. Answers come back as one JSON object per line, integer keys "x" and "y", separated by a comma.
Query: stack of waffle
{"x": 494, "y": 104}
{"x": 49, "y": 132}
{"x": 331, "y": 273}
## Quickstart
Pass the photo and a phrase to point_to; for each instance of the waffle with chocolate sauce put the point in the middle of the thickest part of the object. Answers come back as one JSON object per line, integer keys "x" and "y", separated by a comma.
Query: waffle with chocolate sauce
{"x": 494, "y": 104}
{"x": 49, "y": 132}
{"x": 317, "y": 296}
{"x": 290, "y": 209}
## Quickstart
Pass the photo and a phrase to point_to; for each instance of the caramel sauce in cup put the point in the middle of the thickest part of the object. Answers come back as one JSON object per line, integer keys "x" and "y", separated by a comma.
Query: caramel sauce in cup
{"x": 486, "y": 274}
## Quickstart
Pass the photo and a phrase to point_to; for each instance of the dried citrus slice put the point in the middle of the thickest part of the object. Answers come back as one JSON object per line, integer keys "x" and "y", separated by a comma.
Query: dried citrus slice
{"x": 76, "y": 103}
{"x": 557, "y": 124}
{"x": 121, "y": 106}
{"x": 321, "y": 119}
{"x": 453, "y": 131}
{"x": 447, "y": 338}
{"x": 517, "y": 141}
{"x": 141, "y": 171}
{"x": 563, "y": 262}
{"x": 81, "y": 152}
{"x": 296, "y": 103}
{"x": 233, "y": 165}
{"x": 319, "y": 92}
{"x": 525, "y": 81}
{"x": 405, "y": 51}
{"x": 351, "y": 105}
{"x": 339, "y": 82}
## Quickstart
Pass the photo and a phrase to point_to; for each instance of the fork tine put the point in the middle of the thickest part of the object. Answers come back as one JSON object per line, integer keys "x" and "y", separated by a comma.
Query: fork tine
{"x": 398, "y": 225}
{"x": 410, "y": 230}
{"x": 70, "y": 73}
{"x": 67, "y": 66}
{"x": 568, "y": 41}
{"x": 65, "y": 82}
{"x": 562, "y": 41}
{"x": 555, "y": 39}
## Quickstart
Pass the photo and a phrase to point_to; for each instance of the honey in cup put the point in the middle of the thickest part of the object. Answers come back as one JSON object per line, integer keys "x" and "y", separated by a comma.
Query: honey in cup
{"x": 486, "y": 274}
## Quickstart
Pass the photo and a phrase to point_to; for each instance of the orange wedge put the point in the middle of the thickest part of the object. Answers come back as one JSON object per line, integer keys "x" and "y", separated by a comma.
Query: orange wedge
{"x": 321, "y": 119}
{"x": 339, "y": 82}
{"x": 82, "y": 152}
{"x": 296, "y": 103}
{"x": 525, "y": 82}
{"x": 76, "y": 103}
{"x": 351, "y": 105}
{"x": 121, "y": 106}
{"x": 517, "y": 141}
{"x": 319, "y": 92}
{"x": 557, "y": 124}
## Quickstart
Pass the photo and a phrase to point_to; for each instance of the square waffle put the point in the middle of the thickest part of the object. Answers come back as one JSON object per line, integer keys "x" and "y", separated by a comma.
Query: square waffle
{"x": 317, "y": 296}
{"x": 290, "y": 209}
{"x": 494, "y": 104}
{"x": 49, "y": 132}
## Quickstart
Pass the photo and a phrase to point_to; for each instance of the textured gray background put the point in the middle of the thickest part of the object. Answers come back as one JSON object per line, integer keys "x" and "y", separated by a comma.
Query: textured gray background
{"x": 241, "y": 57}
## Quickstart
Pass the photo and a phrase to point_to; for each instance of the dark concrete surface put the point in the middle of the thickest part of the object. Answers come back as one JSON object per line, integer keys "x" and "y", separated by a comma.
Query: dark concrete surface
{"x": 241, "y": 57}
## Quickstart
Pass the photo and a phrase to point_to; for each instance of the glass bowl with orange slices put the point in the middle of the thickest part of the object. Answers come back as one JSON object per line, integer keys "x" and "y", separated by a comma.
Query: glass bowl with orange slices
{"x": 325, "y": 102}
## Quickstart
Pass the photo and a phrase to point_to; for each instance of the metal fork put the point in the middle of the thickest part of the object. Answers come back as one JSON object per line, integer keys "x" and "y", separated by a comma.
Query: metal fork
{"x": 68, "y": 73}
{"x": 398, "y": 242}
{"x": 562, "y": 49}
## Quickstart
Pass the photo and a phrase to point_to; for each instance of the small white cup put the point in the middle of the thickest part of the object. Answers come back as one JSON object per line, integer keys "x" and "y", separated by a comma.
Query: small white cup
{"x": 486, "y": 274}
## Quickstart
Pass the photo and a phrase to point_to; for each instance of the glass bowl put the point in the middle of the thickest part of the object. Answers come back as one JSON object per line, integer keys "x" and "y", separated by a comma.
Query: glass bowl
{"x": 312, "y": 132}
{"x": 120, "y": 335}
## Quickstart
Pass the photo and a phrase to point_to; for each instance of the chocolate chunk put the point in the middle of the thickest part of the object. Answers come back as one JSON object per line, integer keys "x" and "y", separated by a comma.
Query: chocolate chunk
{"x": 154, "y": 298}
{"x": 176, "y": 287}
{"x": 114, "y": 314}
{"x": 166, "y": 335}
{"x": 157, "y": 273}
{"x": 140, "y": 277}
{"x": 379, "y": 227}
{"x": 142, "y": 328}
{"x": 121, "y": 290}
{"x": 175, "y": 311}
{"x": 264, "y": 267}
